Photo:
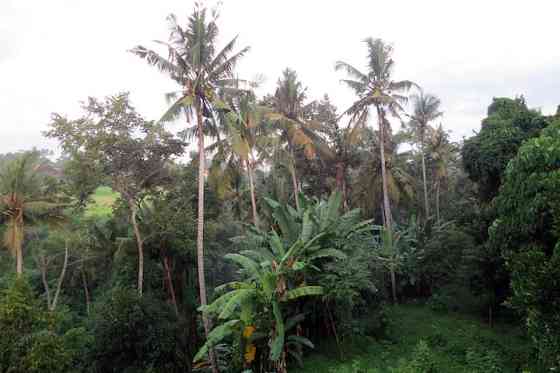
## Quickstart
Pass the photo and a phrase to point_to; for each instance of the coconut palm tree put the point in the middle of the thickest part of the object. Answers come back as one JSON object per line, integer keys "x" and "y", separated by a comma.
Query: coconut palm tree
{"x": 22, "y": 199}
{"x": 368, "y": 189}
{"x": 295, "y": 132}
{"x": 201, "y": 71}
{"x": 338, "y": 151}
{"x": 242, "y": 144}
{"x": 377, "y": 89}
{"x": 426, "y": 108}
{"x": 442, "y": 153}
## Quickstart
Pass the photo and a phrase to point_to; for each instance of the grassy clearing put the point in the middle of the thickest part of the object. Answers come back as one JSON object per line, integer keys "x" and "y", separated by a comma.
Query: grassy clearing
{"x": 102, "y": 204}
{"x": 457, "y": 343}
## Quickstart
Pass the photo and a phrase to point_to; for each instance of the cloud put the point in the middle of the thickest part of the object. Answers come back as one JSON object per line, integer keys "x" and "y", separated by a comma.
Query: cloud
{"x": 54, "y": 54}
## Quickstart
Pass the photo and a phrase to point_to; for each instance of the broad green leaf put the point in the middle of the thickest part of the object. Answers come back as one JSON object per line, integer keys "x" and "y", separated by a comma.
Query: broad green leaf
{"x": 294, "y": 320}
{"x": 248, "y": 264}
{"x": 216, "y": 335}
{"x": 276, "y": 244}
{"x": 235, "y": 301}
{"x": 304, "y": 291}
{"x": 324, "y": 253}
{"x": 300, "y": 340}
{"x": 277, "y": 344}
{"x": 307, "y": 227}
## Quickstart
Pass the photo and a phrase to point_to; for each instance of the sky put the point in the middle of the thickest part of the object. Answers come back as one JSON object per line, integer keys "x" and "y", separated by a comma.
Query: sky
{"x": 56, "y": 53}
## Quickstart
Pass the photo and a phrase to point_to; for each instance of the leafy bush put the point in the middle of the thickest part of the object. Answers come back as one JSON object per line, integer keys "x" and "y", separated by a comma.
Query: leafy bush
{"x": 28, "y": 342}
{"x": 455, "y": 298}
{"x": 483, "y": 361}
{"x": 527, "y": 235}
{"x": 422, "y": 361}
{"x": 133, "y": 334}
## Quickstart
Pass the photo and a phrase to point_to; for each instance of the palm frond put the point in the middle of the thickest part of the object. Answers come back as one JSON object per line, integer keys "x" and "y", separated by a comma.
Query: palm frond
{"x": 352, "y": 71}
{"x": 153, "y": 58}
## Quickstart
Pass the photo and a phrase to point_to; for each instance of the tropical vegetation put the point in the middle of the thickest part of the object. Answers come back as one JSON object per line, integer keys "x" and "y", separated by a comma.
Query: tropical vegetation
{"x": 277, "y": 233}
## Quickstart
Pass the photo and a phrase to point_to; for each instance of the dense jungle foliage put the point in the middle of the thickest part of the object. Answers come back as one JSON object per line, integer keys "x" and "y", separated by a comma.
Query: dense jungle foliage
{"x": 279, "y": 233}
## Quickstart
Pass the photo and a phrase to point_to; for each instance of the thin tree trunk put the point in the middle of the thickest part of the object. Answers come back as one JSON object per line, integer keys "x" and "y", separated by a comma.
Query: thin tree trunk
{"x": 341, "y": 182}
{"x": 339, "y": 167}
{"x": 60, "y": 278}
{"x": 386, "y": 203}
{"x": 393, "y": 284}
{"x": 86, "y": 291}
{"x": 344, "y": 195}
{"x": 139, "y": 244}
{"x": 294, "y": 178}
{"x": 170, "y": 284}
{"x": 16, "y": 229}
{"x": 437, "y": 199}
{"x": 333, "y": 328}
{"x": 426, "y": 204}
{"x": 200, "y": 231}
{"x": 252, "y": 189}
{"x": 19, "y": 261}
{"x": 43, "y": 268}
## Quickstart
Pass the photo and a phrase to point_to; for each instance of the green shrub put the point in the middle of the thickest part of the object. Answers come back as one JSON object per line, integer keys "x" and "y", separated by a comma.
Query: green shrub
{"x": 483, "y": 361}
{"x": 29, "y": 343}
{"x": 133, "y": 334}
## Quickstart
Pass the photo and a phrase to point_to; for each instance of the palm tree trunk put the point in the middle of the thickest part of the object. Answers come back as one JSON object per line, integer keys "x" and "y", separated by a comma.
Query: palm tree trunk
{"x": 437, "y": 199}
{"x": 43, "y": 268}
{"x": 393, "y": 284}
{"x": 19, "y": 261}
{"x": 339, "y": 167}
{"x": 252, "y": 190}
{"x": 200, "y": 231}
{"x": 15, "y": 227}
{"x": 86, "y": 291}
{"x": 340, "y": 182}
{"x": 386, "y": 203}
{"x": 170, "y": 284}
{"x": 426, "y": 204}
{"x": 344, "y": 195}
{"x": 294, "y": 177}
{"x": 139, "y": 244}
{"x": 60, "y": 279}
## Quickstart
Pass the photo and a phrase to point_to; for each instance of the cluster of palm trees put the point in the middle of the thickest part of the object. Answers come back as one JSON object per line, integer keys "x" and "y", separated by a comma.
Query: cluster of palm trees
{"x": 217, "y": 104}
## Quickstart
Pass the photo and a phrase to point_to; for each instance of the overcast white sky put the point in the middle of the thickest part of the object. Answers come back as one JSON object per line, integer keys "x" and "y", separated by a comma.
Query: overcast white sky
{"x": 56, "y": 53}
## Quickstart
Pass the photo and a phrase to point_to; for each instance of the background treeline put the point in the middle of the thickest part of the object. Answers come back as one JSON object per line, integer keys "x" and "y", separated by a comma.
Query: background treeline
{"x": 290, "y": 223}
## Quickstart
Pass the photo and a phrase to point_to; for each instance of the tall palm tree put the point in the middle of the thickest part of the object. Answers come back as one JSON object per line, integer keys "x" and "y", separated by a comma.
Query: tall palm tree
{"x": 244, "y": 135}
{"x": 201, "y": 71}
{"x": 22, "y": 199}
{"x": 426, "y": 108}
{"x": 442, "y": 153}
{"x": 288, "y": 108}
{"x": 369, "y": 183}
{"x": 337, "y": 146}
{"x": 378, "y": 89}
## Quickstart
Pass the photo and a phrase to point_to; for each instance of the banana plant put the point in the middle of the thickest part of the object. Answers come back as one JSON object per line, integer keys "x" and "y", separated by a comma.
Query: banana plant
{"x": 259, "y": 308}
{"x": 393, "y": 248}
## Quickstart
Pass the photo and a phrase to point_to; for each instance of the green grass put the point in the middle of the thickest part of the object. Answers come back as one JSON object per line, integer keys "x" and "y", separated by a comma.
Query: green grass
{"x": 102, "y": 204}
{"x": 449, "y": 337}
